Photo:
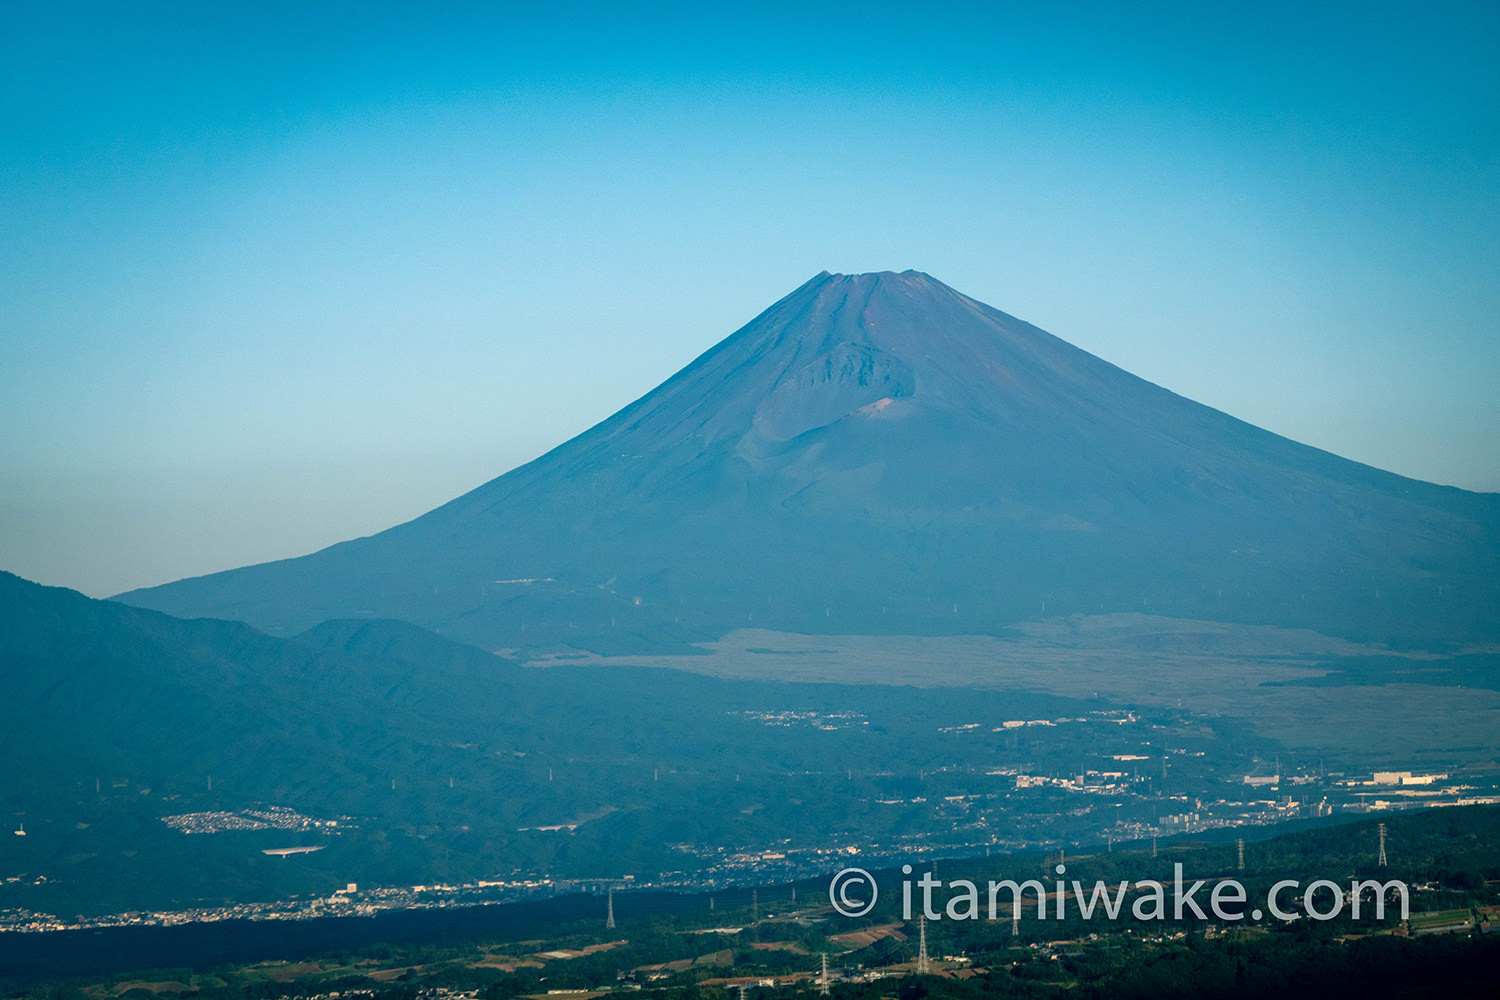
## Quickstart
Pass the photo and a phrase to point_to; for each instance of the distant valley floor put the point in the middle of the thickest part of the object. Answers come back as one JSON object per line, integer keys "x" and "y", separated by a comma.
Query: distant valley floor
{"x": 1310, "y": 692}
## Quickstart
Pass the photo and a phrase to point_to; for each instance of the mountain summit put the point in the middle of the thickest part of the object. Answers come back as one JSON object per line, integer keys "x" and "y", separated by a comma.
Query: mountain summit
{"x": 880, "y": 453}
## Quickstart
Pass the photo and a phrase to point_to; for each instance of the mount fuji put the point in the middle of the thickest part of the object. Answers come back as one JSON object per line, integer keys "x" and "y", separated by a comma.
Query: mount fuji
{"x": 880, "y": 454}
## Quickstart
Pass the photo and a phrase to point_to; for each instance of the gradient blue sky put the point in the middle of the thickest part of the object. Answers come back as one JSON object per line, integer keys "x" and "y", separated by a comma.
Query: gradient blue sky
{"x": 276, "y": 275}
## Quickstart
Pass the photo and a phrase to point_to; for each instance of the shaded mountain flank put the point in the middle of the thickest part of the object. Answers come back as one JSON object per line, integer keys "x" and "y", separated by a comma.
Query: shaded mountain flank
{"x": 880, "y": 454}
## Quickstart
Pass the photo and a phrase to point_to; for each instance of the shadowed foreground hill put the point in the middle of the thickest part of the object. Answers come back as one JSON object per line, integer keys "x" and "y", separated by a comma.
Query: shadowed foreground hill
{"x": 878, "y": 453}
{"x": 438, "y": 761}
{"x": 93, "y": 687}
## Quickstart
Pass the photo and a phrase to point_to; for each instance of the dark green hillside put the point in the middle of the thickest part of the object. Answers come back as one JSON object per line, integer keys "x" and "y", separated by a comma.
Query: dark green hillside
{"x": 441, "y": 762}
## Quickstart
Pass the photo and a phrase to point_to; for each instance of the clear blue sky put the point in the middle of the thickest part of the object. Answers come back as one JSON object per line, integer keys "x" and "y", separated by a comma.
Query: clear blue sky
{"x": 276, "y": 275}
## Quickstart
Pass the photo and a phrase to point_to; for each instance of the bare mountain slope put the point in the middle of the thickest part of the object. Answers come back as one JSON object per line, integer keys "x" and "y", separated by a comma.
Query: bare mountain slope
{"x": 879, "y": 453}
